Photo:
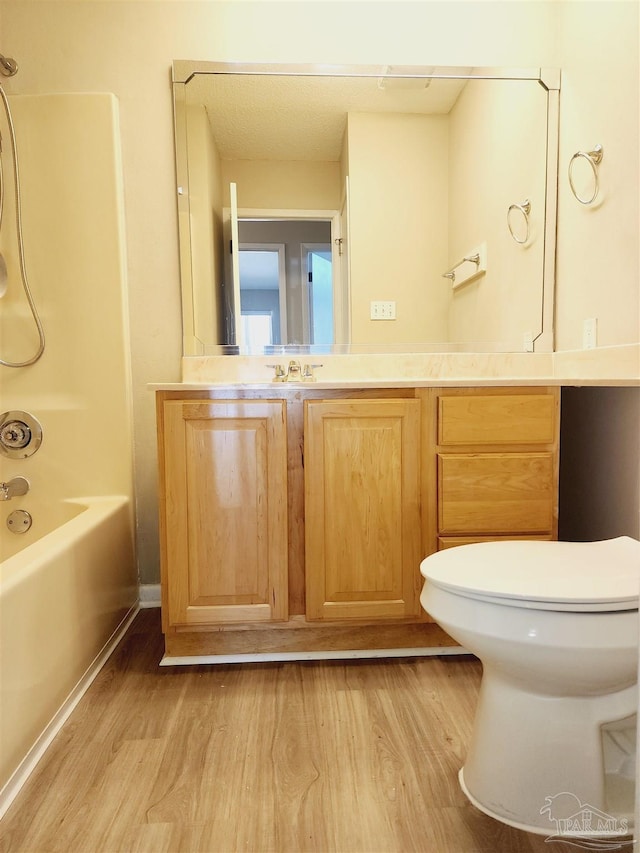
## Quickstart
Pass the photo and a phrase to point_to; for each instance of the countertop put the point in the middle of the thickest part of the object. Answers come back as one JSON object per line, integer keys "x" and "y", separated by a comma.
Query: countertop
{"x": 601, "y": 366}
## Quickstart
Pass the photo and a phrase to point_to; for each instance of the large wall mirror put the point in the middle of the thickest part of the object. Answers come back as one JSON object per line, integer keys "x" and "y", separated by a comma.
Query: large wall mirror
{"x": 365, "y": 209}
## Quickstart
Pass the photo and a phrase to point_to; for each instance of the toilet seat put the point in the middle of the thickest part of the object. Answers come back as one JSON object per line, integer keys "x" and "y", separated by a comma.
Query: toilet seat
{"x": 565, "y": 576}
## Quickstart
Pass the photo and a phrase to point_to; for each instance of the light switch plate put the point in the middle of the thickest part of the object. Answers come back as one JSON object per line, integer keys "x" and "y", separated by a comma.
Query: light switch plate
{"x": 383, "y": 310}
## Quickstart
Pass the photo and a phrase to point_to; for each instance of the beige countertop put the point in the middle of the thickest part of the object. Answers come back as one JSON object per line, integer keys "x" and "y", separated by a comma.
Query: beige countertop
{"x": 603, "y": 366}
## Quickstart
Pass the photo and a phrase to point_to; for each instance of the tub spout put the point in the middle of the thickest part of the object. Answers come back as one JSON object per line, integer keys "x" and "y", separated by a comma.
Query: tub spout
{"x": 14, "y": 488}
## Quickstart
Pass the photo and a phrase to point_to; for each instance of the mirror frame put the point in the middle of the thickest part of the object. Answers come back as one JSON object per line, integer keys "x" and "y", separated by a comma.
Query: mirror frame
{"x": 548, "y": 78}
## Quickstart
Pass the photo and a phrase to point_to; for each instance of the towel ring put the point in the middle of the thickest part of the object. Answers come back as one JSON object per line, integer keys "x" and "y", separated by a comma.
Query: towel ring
{"x": 525, "y": 210}
{"x": 593, "y": 158}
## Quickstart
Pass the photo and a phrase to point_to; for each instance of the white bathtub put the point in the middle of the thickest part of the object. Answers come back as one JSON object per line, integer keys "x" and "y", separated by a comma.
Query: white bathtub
{"x": 64, "y": 599}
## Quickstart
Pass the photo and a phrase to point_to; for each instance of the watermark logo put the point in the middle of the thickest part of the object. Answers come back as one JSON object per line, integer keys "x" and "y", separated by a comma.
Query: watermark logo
{"x": 584, "y": 825}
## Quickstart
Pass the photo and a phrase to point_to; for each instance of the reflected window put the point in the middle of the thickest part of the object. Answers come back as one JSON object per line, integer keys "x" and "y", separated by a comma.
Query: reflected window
{"x": 257, "y": 328}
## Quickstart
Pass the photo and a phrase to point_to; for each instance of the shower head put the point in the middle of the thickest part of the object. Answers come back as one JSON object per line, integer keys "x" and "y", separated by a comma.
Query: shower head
{"x": 8, "y": 66}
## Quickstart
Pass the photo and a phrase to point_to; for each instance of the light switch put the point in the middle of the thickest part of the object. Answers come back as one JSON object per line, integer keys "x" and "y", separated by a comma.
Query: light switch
{"x": 383, "y": 310}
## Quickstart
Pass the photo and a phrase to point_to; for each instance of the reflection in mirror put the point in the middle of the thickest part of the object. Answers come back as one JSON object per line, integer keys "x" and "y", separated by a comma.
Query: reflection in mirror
{"x": 394, "y": 209}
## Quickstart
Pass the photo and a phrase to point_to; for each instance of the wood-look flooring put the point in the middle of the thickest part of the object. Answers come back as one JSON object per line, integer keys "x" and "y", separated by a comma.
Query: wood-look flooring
{"x": 321, "y": 757}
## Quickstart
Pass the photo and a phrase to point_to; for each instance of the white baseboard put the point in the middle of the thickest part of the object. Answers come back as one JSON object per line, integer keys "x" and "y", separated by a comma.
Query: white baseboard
{"x": 149, "y": 595}
{"x": 346, "y": 654}
{"x": 29, "y": 762}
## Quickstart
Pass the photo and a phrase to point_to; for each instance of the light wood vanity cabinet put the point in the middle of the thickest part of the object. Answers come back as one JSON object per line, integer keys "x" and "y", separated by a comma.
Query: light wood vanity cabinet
{"x": 295, "y": 519}
{"x": 497, "y": 464}
{"x": 225, "y": 512}
{"x": 362, "y": 508}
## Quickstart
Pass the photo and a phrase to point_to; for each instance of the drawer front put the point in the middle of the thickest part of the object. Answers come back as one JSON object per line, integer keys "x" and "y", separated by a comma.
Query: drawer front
{"x": 497, "y": 419}
{"x": 445, "y": 542}
{"x": 496, "y": 493}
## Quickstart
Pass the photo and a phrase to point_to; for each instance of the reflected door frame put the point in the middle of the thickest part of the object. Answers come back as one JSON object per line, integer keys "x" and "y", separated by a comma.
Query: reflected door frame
{"x": 340, "y": 297}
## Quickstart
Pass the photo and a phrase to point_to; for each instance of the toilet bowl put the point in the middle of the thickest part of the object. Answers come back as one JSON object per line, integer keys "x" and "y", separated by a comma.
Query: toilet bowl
{"x": 555, "y": 625}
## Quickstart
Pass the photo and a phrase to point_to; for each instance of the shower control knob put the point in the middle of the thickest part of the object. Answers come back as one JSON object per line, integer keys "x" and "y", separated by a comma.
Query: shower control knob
{"x": 20, "y": 434}
{"x": 15, "y": 434}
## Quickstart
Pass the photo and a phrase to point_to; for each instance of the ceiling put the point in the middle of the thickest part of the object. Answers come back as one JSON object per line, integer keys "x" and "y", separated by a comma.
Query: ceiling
{"x": 285, "y": 117}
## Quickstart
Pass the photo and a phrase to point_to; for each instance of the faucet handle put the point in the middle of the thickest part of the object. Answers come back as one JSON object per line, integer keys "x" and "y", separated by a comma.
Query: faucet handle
{"x": 307, "y": 372}
{"x": 280, "y": 375}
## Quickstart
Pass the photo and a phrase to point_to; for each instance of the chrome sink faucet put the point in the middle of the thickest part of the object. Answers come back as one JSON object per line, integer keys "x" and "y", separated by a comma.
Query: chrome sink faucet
{"x": 14, "y": 488}
{"x": 294, "y": 373}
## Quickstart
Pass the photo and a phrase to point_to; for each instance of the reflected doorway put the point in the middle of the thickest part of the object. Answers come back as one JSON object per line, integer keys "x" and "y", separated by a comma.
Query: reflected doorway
{"x": 300, "y": 310}
{"x": 263, "y": 296}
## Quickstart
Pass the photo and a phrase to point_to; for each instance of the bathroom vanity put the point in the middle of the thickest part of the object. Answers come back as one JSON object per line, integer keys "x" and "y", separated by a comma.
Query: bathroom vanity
{"x": 294, "y": 516}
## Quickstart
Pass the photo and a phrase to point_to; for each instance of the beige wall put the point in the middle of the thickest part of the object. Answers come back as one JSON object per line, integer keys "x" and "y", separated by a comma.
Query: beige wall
{"x": 490, "y": 171}
{"x": 127, "y": 48}
{"x": 398, "y": 225}
{"x": 202, "y": 325}
{"x": 598, "y": 246}
{"x": 283, "y": 185}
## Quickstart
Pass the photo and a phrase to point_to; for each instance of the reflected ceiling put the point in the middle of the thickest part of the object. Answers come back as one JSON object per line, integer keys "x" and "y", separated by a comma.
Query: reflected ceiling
{"x": 302, "y": 117}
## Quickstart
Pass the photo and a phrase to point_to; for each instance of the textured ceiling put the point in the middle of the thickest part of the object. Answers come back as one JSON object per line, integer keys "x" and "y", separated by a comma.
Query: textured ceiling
{"x": 270, "y": 117}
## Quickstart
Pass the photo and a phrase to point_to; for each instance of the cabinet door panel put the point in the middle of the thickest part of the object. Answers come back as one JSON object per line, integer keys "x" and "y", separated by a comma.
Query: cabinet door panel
{"x": 362, "y": 511}
{"x": 226, "y": 475}
{"x": 496, "y": 493}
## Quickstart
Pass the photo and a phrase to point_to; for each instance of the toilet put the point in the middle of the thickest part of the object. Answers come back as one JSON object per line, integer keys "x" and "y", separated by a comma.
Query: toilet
{"x": 555, "y": 625}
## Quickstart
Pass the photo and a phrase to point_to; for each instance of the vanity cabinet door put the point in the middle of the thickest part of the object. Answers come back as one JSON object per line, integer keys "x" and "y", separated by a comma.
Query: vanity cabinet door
{"x": 225, "y": 512}
{"x": 362, "y": 509}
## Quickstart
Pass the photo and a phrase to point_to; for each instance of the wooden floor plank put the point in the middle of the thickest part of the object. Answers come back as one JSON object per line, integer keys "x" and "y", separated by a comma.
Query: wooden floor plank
{"x": 316, "y": 757}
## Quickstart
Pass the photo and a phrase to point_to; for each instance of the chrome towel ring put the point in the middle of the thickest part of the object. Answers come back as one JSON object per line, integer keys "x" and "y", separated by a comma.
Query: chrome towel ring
{"x": 525, "y": 210}
{"x": 593, "y": 158}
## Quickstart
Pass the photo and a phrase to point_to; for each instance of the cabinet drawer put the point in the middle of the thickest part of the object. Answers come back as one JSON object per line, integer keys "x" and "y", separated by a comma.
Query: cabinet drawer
{"x": 496, "y": 493}
{"x": 445, "y": 542}
{"x": 496, "y": 419}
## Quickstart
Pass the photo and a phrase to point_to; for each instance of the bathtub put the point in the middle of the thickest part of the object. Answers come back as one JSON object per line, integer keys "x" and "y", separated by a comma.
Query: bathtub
{"x": 66, "y": 596}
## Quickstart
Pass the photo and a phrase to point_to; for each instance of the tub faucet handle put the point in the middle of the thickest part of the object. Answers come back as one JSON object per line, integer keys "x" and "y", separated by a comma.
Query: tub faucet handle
{"x": 14, "y": 488}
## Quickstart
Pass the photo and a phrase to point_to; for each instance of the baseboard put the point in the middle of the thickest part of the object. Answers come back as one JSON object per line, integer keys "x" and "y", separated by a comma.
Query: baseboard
{"x": 346, "y": 654}
{"x": 149, "y": 595}
{"x": 29, "y": 762}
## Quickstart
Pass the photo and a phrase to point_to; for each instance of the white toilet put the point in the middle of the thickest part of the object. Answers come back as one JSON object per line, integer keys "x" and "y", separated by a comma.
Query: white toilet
{"x": 555, "y": 625}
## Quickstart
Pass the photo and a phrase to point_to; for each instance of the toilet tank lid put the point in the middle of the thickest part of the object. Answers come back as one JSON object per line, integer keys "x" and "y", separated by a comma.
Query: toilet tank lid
{"x": 599, "y": 574}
